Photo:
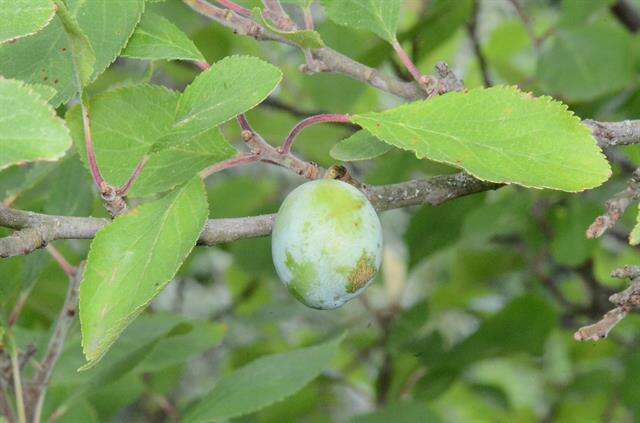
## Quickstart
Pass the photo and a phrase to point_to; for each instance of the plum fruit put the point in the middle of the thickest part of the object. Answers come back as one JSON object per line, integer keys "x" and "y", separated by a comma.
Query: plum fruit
{"x": 326, "y": 243}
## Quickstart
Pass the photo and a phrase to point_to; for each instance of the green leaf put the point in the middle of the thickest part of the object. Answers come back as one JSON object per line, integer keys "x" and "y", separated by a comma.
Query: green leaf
{"x": 82, "y": 54}
{"x": 29, "y": 129}
{"x": 157, "y": 38}
{"x": 497, "y": 134}
{"x": 178, "y": 162}
{"x": 228, "y": 88}
{"x": 46, "y": 57}
{"x": 359, "y": 146}
{"x": 511, "y": 330}
{"x": 403, "y": 412}
{"x": 432, "y": 229}
{"x": 586, "y": 62}
{"x": 19, "y": 18}
{"x": 180, "y": 347}
{"x": 108, "y": 24}
{"x": 69, "y": 202}
{"x": 128, "y": 122}
{"x": 44, "y": 91}
{"x": 378, "y": 16}
{"x": 303, "y": 38}
{"x": 263, "y": 382}
{"x": 132, "y": 259}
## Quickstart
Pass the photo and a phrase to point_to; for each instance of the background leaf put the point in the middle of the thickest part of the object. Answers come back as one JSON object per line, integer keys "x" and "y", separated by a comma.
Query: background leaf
{"x": 45, "y": 57}
{"x": 359, "y": 146}
{"x": 497, "y": 134}
{"x": 122, "y": 276}
{"x": 585, "y": 62}
{"x": 19, "y": 18}
{"x": 378, "y": 16}
{"x": 262, "y": 382}
{"x": 157, "y": 38}
{"x": 30, "y": 129}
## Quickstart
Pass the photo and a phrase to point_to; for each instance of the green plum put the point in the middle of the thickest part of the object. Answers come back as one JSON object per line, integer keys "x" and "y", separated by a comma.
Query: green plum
{"x": 326, "y": 243}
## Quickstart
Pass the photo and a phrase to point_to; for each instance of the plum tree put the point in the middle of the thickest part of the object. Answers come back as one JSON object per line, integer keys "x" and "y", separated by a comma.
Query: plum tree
{"x": 327, "y": 243}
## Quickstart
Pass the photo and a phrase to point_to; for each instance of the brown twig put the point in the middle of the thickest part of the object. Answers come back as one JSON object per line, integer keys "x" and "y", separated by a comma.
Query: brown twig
{"x": 326, "y": 59}
{"x": 615, "y": 207}
{"x": 625, "y": 301}
{"x": 276, "y": 13}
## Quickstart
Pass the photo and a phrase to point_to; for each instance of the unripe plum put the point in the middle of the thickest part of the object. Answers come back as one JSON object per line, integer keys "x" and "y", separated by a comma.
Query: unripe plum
{"x": 326, "y": 243}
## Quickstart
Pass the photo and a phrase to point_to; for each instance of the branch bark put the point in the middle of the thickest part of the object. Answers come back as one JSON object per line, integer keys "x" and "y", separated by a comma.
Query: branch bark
{"x": 433, "y": 191}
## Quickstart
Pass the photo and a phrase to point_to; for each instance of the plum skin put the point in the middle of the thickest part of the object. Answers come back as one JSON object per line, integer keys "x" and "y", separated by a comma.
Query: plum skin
{"x": 326, "y": 243}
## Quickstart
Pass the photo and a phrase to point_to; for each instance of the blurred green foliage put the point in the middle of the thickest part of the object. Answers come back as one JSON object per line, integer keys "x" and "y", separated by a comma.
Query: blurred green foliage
{"x": 473, "y": 314}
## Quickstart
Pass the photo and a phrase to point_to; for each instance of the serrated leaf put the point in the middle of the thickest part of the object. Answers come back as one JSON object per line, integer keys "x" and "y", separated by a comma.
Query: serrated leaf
{"x": 132, "y": 259}
{"x": 263, "y": 382}
{"x": 178, "y": 162}
{"x": 378, "y": 16}
{"x": 634, "y": 236}
{"x": 304, "y": 38}
{"x": 359, "y": 146}
{"x": 45, "y": 57}
{"x": 586, "y": 62}
{"x": 497, "y": 134}
{"x": 29, "y": 128}
{"x": 82, "y": 54}
{"x": 44, "y": 91}
{"x": 126, "y": 125}
{"x": 157, "y": 38}
{"x": 228, "y": 88}
{"x": 19, "y": 18}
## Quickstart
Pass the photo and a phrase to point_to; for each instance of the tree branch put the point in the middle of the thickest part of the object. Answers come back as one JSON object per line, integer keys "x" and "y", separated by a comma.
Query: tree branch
{"x": 329, "y": 59}
{"x": 625, "y": 301}
{"x": 36, "y": 230}
{"x": 615, "y": 207}
{"x": 433, "y": 191}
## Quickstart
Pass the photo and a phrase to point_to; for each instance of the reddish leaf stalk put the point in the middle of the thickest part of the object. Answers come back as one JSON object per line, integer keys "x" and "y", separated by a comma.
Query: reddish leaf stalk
{"x": 227, "y": 164}
{"x": 312, "y": 120}
{"x": 124, "y": 189}
{"x": 408, "y": 63}
{"x": 235, "y": 7}
{"x": 91, "y": 154}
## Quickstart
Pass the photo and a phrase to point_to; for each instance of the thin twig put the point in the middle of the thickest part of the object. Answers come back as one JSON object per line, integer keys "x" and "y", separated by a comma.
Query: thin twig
{"x": 66, "y": 267}
{"x": 327, "y": 59}
{"x": 275, "y": 12}
{"x": 235, "y": 7}
{"x": 625, "y": 301}
{"x": 38, "y": 385}
{"x": 17, "y": 382}
{"x": 312, "y": 120}
{"x": 615, "y": 207}
{"x": 472, "y": 28}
